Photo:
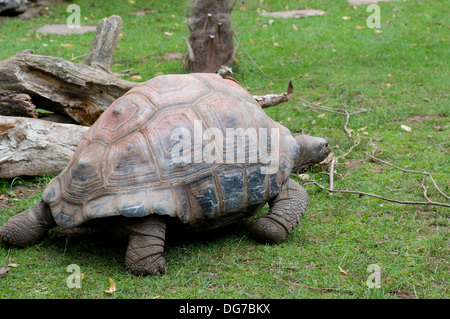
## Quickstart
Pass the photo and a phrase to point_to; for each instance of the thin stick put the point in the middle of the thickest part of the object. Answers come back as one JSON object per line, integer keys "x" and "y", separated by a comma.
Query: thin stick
{"x": 379, "y": 197}
{"x": 356, "y": 143}
{"x": 329, "y": 109}
{"x": 309, "y": 287}
{"x": 190, "y": 51}
{"x": 337, "y": 111}
{"x": 332, "y": 173}
{"x": 424, "y": 189}
{"x": 313, "y": 288}
{"x": 410, "y": 171}
{"x": 349, "y": 133}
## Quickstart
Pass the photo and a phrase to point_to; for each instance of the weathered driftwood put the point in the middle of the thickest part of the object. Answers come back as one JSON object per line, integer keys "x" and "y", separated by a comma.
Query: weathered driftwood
{"x": 16, "y": 104}
{"x": 80, "y": 90}
{"x": 105, "y": 40}
{"x": 36, "y": 147}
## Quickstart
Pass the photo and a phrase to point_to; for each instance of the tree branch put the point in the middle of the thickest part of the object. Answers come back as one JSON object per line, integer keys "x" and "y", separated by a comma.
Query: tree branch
{"x": 269, "y": 100}
{"x": 410, "y": 171}
{"x": 378, "y": 196}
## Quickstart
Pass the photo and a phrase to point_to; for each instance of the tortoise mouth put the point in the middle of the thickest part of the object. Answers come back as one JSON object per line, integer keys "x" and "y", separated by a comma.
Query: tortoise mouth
{"x": 313, "y": 150}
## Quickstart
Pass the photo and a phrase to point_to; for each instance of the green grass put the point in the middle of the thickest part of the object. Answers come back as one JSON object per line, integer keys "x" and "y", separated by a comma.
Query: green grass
{"x": 336, "y": 63}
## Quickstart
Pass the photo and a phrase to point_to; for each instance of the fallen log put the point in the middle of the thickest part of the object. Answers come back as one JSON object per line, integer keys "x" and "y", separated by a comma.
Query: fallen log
{"x": 81, "y": 91}
{"x": 34, "y": 147}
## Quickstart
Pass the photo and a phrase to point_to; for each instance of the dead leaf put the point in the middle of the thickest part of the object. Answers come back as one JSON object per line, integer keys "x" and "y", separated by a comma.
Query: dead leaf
{"x": 168, "y": 33}
{"x": 377, "y": 31}
{"x": 346, "y": 18}
{"x": 342, "y": 270}
{"x": 112, "y": 287}
{"x": 4, "y": 271}
{"x": 304, "y": 177}
{"x": 359, "y": 27}
{"x": 387, "y": 84}
{"x": 294, "y": 27}
{"x": 362, "y": 128}
{"x": 135, "y": 77}
{"x": 67, "y": 45}
{"x": 406, "y": 128}
{"x": 157, "y": 297}
{"x": 242, "y": 9}
{"x": 321, "y": 115}
{"x": 13, "y": 265}
{"x": 275, "y": 44}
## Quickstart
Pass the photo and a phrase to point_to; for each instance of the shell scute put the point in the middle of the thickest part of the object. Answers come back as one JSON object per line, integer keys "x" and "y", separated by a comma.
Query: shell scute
{"x": 85, "y": 175}
{"x": 130, "y": 163}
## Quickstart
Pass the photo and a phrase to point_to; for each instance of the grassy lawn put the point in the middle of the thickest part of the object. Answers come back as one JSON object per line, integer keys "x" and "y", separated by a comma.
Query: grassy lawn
{"x": 399, "y": 74}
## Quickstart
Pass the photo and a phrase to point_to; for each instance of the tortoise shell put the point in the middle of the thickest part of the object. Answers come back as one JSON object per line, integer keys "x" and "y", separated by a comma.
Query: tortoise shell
{"x": 124, "y": 164}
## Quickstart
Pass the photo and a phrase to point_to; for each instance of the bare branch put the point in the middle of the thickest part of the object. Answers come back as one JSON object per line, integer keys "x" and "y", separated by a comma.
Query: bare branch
{"x": 332, "y": 173}
{"x": 349, "y": 133}
{"x": 410, "y": 171}
{"x": 422, "y": 183}
{"x": 379, "y": 197}
{"x": 190, "y": 51}
{"x": 269, "y": 100}
{"x": 356, "y": 143}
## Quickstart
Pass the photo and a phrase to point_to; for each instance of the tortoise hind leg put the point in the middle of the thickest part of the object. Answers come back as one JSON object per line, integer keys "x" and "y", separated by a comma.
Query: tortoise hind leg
{"x": 28, "y": 227}
{"x": 146, "y": 245}
{"x": 286, "y": 209}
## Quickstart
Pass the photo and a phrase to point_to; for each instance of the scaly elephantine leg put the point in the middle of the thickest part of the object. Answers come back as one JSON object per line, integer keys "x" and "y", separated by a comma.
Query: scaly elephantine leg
{"x": 286, "y": 209}
{"x": 28, "y": 227}
{"x": 146, "y": 245}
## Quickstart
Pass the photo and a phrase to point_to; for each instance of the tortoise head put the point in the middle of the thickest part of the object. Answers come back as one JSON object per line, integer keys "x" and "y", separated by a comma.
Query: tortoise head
{"x": 313, "y": 150}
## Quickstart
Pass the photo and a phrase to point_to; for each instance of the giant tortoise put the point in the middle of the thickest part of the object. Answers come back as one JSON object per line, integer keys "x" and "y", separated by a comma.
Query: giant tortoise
{"x": 195, "y": 150}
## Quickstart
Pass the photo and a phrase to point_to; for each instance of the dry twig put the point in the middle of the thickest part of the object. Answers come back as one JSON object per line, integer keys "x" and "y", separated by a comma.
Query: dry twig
{"x": 428, "y": 202}
{"x": 269, "y": 100}
{"x": 411, "y": 171}
{"x": 332, "y": 173}
{"x": 325, "y": 289}
{"x": 334, "y": 110}
{"x": 356, "y": 142}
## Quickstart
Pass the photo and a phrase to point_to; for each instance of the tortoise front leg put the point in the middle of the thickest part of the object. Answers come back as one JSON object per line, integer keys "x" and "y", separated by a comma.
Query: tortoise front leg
{"x": 146, "y": 245}
{"x": 286, "y": 209}
{"x": 28, "y": 227}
